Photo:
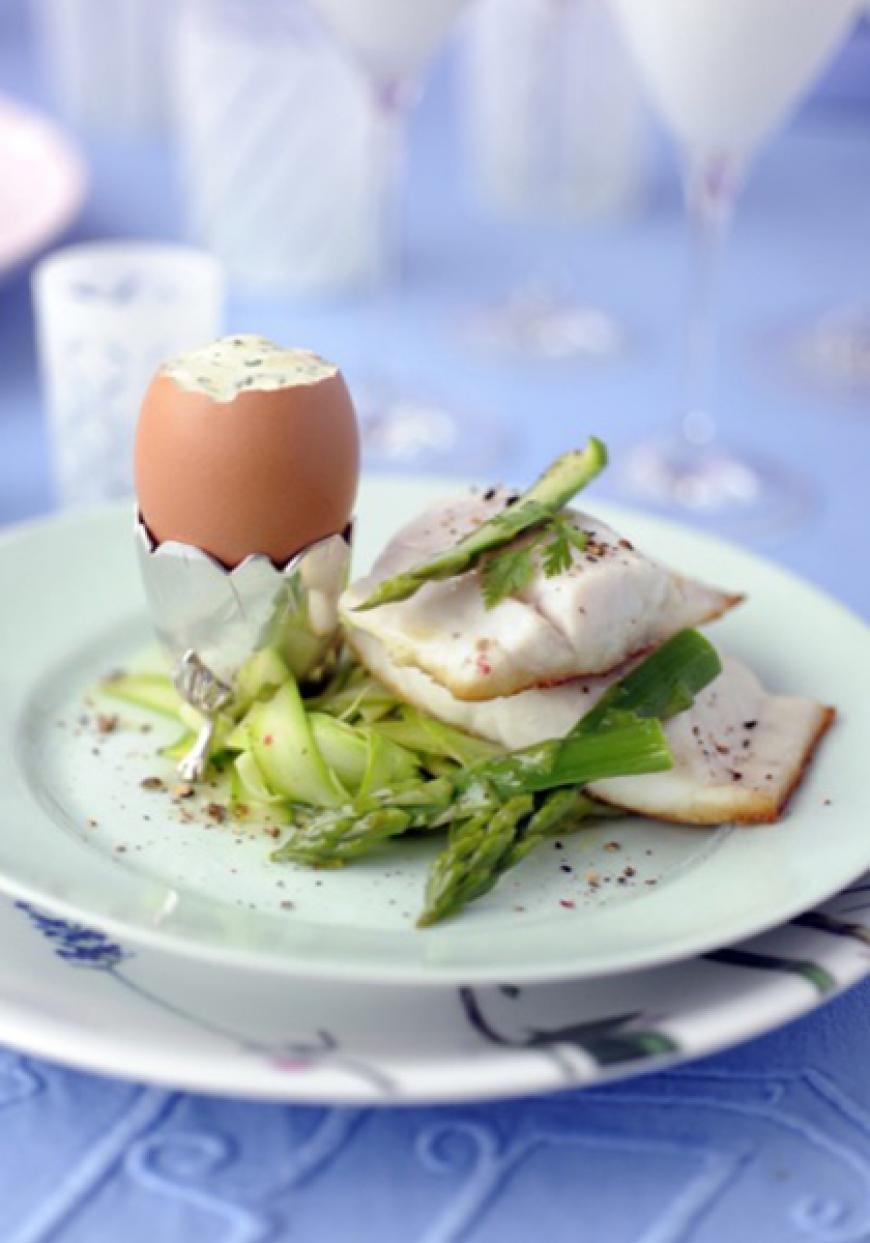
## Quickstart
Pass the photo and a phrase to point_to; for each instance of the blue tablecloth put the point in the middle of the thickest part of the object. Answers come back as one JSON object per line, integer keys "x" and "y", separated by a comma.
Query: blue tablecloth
{"x": 783, "y": 1161}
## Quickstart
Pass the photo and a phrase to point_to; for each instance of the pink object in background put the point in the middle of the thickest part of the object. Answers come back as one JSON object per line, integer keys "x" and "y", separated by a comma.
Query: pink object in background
{"x": 42, "y": 187}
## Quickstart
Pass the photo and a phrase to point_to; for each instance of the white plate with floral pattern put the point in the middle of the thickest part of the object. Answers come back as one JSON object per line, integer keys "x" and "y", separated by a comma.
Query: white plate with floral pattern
{"x": 82, "y": 838}
{"x": 72, "y": 994}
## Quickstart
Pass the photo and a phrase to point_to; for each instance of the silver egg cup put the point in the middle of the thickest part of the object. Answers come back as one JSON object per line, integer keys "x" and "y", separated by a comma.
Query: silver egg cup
{"x": 212, "y": 620}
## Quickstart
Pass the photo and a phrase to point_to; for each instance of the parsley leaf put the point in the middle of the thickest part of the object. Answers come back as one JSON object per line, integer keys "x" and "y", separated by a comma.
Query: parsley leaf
{"x": 556, "y": 557}
{"x": 579, "y": 539}
{"x": 546, "y": 497}
{"x": 506, "y": 574}
{"x": 557, "y": 554}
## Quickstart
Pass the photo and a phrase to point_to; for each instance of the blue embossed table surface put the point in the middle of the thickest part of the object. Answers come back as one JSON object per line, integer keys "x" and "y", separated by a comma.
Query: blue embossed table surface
{"x": 768, "y": 1142}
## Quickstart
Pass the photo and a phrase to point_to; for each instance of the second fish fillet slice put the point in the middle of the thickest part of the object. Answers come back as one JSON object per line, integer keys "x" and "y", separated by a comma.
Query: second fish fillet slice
{"x": 739, "y": 752}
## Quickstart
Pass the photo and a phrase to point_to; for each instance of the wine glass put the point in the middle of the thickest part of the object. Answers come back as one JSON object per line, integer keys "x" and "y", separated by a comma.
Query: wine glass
{"x": 558, "y": 134}
{"x": 723, "y": 74}
{"x": 391, "y": 41}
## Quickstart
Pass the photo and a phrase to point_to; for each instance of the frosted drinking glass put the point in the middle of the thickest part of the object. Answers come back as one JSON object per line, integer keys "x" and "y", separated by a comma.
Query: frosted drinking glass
{"x": 107, "y": 313}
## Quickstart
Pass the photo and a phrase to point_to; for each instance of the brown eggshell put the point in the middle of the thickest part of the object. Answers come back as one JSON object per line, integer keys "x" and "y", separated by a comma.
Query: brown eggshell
{"x": 269, "y": 472}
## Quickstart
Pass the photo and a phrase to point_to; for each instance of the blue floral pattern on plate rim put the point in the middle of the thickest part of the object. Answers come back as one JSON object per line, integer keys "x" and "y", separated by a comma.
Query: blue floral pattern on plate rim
{"x": 496, "y": 1041}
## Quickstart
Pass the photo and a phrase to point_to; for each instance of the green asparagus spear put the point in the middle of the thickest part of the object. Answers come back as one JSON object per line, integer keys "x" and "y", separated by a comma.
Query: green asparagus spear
{"x": 560, "y": 812}
{"x": 333, "y": 837}
{"x": 460, "y": 875}
{"x": 623, "y": 745}
{"x": 664, "y": 684}
{"x": 550, "y": 493}
{"x": 359, "y": 835}
{"x": 469, "y": 866}
{"x": 626, "y": 745}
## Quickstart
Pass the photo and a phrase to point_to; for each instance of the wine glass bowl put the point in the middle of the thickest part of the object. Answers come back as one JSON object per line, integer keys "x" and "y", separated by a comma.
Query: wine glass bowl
{"x": 391, "y": 41}
{"x": 722, "y": 75}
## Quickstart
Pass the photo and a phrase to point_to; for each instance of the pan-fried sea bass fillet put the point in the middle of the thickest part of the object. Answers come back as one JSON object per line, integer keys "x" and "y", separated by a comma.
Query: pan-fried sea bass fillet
{"x": 738, "y": 753}
{"x": 613, "y": 603}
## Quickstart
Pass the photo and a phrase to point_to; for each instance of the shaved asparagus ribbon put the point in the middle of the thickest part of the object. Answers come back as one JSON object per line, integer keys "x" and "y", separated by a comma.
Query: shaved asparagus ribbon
{"x": 497, "y": 807}
{"x": 551, "y": 492}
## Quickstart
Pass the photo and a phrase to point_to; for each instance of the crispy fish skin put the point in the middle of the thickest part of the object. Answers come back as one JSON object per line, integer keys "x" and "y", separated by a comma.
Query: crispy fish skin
{"x": 612, "y": 604}
{"x": 739, "y": 752}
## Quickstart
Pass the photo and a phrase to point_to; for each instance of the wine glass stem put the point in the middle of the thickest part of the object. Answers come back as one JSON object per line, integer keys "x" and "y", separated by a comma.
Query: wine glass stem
{"x": 710, "y": 189}
{"x": 394, "y": 99}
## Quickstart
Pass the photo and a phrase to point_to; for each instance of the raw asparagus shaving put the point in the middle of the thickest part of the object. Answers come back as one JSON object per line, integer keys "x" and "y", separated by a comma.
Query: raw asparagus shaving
{"x": 146, "y": 690}
{"x": 251, "y": 783}
{"x": 344, "y": 750}
{"x": 424, "y": 734}
{"x": 177, "y": 750}
{"x": 352, "y": 695}
{"x": 353, "y": 782}
{"x": 259, "y": 678}
{"x": 283, "y": 745}
{"x": 549, "y": 494}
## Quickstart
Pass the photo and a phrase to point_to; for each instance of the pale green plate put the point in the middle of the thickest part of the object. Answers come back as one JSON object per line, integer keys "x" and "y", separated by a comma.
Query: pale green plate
{"x": 72, "y": 610}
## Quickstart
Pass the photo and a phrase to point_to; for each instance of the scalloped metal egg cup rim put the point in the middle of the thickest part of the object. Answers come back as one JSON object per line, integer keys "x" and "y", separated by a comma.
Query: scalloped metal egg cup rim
{"x": 157, "y": 548}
